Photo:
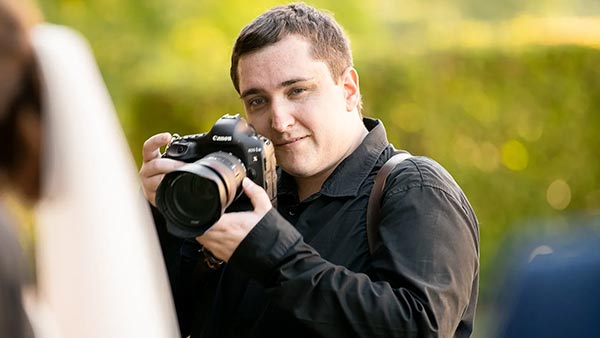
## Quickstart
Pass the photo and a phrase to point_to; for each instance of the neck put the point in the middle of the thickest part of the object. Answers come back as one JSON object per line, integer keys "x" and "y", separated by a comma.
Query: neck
{"x": 308, "y": 186}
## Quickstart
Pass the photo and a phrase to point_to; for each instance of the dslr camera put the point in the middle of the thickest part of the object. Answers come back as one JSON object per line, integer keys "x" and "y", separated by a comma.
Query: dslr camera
{"x": 194, "y": 196}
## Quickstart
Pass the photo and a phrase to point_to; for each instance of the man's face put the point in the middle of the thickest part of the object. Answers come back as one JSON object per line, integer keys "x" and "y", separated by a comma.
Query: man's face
{"x": 292, "y": 99}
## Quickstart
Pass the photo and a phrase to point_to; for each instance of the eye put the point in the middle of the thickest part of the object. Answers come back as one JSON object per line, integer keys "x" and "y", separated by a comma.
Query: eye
{"x": 256, "y": 101}
{"x": 297, "y": 91}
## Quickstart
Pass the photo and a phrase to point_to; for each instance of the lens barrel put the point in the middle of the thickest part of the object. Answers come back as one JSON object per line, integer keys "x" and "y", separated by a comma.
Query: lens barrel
{"x": 193, "y": 197}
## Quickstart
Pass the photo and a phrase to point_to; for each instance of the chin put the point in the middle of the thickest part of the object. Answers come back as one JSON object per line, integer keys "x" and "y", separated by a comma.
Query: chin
{"x": 295, "y": 169}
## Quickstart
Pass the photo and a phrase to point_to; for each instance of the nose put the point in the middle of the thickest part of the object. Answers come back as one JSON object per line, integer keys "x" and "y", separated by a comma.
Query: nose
{"x": 282, "y": 115}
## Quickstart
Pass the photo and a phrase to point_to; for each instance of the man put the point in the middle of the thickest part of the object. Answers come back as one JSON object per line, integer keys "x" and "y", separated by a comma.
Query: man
{"x": 304, "y": 269}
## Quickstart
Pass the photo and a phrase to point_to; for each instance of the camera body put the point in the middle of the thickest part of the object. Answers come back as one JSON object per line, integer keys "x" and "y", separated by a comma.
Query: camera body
{"x": 217, "y": 162}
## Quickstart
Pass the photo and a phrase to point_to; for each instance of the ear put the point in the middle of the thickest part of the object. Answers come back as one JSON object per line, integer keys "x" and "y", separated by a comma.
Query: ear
{"x": 349, "y": 80}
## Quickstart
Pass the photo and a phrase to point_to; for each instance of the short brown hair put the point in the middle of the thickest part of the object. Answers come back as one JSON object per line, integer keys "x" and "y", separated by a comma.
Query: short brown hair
{"x": 328, "y": 40}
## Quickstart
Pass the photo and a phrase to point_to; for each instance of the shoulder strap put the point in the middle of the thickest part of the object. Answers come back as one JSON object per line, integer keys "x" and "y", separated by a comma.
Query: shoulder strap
{"x": 373, "y": 208}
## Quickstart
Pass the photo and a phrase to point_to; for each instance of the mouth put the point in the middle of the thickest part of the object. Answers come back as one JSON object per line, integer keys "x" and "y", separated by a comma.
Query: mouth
{"x": 290, "y": 141}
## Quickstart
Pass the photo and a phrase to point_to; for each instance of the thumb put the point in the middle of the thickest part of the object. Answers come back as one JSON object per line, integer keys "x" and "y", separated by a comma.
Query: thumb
{"x": 151, "y": 148}
{"x": 257, "y": 195}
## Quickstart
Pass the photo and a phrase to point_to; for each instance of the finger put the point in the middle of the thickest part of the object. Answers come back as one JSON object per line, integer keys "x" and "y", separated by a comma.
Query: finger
{"x": 159, "y": 166}
{"x": 150, "y": 184}
{"x": 151, "y": 197}
{"x": 153, "y": 172}
{"x": 151, "y": 148}
{"x": 257, "y": 195}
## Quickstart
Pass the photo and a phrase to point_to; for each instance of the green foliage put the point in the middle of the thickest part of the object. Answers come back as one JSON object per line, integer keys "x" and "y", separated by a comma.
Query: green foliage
{"x": 505, "y": 125}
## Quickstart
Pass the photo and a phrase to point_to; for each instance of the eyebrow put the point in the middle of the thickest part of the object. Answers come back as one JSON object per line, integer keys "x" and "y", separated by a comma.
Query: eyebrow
{"x": 284, "y": 84}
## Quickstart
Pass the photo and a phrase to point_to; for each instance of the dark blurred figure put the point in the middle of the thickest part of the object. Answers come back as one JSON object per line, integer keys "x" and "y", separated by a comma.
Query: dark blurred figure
{"x": 20, "y": 135}
{"x": 555, "y": 294}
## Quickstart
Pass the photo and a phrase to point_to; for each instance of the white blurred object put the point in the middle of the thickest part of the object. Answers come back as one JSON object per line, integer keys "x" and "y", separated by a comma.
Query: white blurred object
{"x": 100, "y": 271}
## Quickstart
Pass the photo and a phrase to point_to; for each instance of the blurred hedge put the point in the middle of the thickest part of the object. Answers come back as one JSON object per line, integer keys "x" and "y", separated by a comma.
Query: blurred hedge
{"x": 506, "y": 125}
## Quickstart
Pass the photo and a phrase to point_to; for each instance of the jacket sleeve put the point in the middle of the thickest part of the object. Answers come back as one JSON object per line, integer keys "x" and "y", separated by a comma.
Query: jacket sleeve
{"x": 424, "y": 272}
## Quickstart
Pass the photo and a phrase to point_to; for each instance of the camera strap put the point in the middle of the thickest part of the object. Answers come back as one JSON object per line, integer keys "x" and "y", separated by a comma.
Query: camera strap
{"x": 374, "y": 204}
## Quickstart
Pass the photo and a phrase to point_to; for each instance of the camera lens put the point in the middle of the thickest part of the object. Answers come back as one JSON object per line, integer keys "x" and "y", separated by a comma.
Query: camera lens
{"x": 193, "y": 197}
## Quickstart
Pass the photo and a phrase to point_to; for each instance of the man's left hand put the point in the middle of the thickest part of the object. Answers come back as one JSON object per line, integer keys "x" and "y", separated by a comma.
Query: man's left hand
{"x": 224, "y": 236}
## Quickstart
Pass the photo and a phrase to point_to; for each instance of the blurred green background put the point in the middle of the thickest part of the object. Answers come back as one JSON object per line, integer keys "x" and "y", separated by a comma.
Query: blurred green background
{"x": 504, "y": 94}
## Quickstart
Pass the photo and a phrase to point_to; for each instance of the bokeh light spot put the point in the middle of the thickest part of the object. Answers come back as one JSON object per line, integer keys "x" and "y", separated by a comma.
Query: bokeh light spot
{"x": 514, "y": 155}
{"x": 487, "y": 158}
{"x": 558, "y": 194}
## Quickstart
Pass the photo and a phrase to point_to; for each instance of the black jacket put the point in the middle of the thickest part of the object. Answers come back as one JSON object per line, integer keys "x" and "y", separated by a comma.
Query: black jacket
{"x": 305, "y": 269}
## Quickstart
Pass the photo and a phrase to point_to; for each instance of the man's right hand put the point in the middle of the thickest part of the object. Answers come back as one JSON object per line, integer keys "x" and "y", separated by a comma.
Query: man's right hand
{"x": 154, "y": 167}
